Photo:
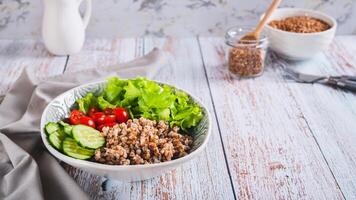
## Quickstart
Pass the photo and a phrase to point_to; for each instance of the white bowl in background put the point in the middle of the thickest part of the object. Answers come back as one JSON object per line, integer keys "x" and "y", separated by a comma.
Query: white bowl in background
{"x": 299, "y": 46}
{"x": 59, "y": 108}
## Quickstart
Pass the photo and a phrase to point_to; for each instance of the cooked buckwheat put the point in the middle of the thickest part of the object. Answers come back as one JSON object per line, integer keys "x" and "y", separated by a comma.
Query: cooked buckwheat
{"x": 142, "y": 141}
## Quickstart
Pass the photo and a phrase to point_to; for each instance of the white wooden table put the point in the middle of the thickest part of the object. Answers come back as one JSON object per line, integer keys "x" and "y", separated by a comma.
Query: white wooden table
{"x": 272, "y": 138}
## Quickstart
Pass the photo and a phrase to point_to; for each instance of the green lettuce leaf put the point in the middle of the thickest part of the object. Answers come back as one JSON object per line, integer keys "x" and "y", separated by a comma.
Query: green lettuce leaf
{"x": 103, "y": 104}
{"x": 188, "y": 117}
{"x": 146, "y": 98}
{"x": 87, "y": 102}
{"x": 114, "y": 90}
{"x": 132, "y": 90}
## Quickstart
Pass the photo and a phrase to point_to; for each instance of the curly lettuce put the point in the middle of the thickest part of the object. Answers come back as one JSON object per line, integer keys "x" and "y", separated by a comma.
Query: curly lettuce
{"x": 87, "y": 102}
{"x": 145, "y": 98}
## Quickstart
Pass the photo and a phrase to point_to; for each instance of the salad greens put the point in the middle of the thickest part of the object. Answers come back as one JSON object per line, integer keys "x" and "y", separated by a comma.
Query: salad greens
{"x": 146, "y": 98}
{"x": 87, "y": 102}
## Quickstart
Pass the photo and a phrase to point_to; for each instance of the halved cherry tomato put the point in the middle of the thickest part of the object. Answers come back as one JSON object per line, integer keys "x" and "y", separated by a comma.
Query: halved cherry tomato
{"x": 75, "y": 116}
{"x": 109, "y": 119}
{"x": 100, "y": 128}
{"x": 108, "y": 111}
{"x": 92, "y": 111}
{"x": 87, "y": 121}
{"x": 121, "y": 115}
{"x": 99, "y": 118}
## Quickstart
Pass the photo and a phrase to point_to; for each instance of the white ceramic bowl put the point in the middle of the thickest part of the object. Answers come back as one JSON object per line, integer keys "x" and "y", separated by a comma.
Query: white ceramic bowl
{"x": 59, "y": 108}
{"x": 299, "y": 46}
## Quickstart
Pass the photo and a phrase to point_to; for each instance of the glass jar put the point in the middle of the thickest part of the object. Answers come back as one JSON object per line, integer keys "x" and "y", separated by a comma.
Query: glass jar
{"x": 246, "y": 58}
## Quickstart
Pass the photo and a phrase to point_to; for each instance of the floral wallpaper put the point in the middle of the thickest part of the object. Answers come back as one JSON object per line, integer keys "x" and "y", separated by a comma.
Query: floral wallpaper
{"x": 132, "y": 18}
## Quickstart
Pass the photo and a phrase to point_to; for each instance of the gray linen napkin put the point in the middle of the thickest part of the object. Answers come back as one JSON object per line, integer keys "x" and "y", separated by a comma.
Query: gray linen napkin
{"x": 27, "y": 170}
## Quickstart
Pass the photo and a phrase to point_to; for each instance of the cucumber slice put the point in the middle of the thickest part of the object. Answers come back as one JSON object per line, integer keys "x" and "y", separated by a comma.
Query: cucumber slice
{"x": 63, "y": 123}
{"x": 72, "y": 149}
{"x": 56, "y": 138}
{"x": 51, "y": 127}
{"x": 87, "y": 136}
{"x": 68, "y": 130}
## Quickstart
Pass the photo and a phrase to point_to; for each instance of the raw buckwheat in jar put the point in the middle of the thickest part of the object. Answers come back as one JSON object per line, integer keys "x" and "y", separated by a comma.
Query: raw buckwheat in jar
{"x": 245, "y": 58}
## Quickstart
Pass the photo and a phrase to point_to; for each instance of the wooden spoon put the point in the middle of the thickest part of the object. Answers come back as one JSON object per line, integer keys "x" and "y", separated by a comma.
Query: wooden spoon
{"x": 255, "y": 35}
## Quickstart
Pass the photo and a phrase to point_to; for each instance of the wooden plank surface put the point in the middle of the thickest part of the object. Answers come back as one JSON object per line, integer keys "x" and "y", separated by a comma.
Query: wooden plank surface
{"x": 280, "y": 139}
{"x": 272, "y": 149}
{"x": 16, "y": 55}
{"x": 101, "y": 53}
{"x": 205, "y": 177}
{"x": 331, "y": 113}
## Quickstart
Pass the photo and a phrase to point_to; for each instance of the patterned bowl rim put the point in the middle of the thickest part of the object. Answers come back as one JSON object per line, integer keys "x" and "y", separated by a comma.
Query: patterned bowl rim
{"x": 90, "y": 164}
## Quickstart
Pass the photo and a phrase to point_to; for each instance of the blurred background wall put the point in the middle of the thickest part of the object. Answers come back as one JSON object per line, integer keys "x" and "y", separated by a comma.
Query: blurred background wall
{"x": 21, "y": 19}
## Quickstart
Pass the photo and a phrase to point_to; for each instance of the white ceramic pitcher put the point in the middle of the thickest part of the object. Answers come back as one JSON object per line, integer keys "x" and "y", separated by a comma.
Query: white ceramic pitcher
{"x": 63, "y": 28}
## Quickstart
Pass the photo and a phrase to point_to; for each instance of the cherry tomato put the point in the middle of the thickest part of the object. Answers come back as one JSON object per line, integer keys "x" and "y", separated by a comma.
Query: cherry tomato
{"x": 109, "y": 119}
{"x": 92, "y": 111}
{"x": 87, "y": 121}
{"x": 108, "y": 111}
{"x": 75, "y": 116}
{"x": 100, "y": 128}
{"x": 99, "y": 118}
{"x": 121, "y": 115}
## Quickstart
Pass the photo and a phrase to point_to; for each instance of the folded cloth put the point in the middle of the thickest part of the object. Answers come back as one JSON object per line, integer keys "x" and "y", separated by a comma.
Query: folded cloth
{"x": 27, "y": 170}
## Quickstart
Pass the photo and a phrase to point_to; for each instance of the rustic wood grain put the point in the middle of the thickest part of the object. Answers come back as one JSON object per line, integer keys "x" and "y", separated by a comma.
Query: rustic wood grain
{"x": 331, "y": 113}
{"x": 101, "y": 53}
{"x": 203, "y": 178}
{"x": 272, "y": 149}
{"x": 283, "y": 140}
{"x": 15, "y": 55}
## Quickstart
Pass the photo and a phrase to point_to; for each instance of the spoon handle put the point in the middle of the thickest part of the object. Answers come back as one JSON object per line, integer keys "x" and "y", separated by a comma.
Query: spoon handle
{"x": 272, "y": 7}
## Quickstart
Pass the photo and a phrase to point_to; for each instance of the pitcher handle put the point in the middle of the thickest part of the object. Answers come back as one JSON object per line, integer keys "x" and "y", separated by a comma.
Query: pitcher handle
{"x": 87, "y": 13}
